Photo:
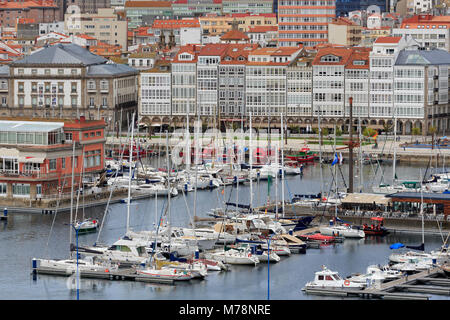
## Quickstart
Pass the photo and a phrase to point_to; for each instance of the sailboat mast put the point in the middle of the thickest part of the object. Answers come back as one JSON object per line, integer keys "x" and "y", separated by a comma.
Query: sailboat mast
{"x": 130, "y": 158}
{"x": 335, "y": 174}
{"x": 320, "y": 156}
{"x": 250, "y": 159}
{"x": 71, "y": 191}
{"x": 282, "y": 165}
{"x": 168, "y": 182}
{"x": 395, "y": 148}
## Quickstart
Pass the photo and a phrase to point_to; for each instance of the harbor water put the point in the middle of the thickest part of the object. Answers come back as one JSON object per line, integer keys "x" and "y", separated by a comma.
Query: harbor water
{"x": 25, "y": 236}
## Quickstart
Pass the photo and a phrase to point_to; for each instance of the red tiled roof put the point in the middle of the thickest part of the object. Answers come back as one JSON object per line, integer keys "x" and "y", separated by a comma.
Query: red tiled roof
{"x": 234, "y": 35}
{"x": 388, "y": 39}
{"x": 175, "y": 24}
{"x": 28, "y": 4}
{"x": 343, "y": 52}
{"x": 145, "y": 4}
{"x": 262, "y": 29}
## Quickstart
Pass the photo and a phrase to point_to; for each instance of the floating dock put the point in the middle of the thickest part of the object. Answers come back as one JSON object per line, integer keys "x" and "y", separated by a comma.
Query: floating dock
{"x": 409, "y": 287}
{"x": 125, "y": 274}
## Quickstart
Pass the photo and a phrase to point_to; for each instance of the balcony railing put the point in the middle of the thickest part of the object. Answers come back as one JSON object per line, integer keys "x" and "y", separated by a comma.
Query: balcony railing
{"x": 10, "y": 174}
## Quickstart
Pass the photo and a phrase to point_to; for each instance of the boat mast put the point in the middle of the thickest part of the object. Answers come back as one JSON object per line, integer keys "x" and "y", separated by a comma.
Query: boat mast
{"x": 335, "y": 174}
{"x": 282, "y": 165}
{"x": 168, "y": 184}
{"x": 320, "y": 156}
{"x": 395, "y": 148}
{"x": 71, "y": 191}
{"x": 130, "y": 158}
{"x": 421, "y": 209}
{"x": 250, "y": 159}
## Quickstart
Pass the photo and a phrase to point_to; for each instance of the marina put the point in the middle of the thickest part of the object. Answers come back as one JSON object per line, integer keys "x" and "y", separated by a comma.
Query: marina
{"x": 142, "y": 218}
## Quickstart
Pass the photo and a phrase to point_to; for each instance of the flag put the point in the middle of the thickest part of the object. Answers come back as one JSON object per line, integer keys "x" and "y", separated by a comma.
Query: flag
{"x": 336, "y": 159}
{"x": 375, "y": 135}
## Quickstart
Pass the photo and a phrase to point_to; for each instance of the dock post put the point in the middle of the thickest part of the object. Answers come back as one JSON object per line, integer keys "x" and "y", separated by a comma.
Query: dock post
{"x": 5, "y": 214}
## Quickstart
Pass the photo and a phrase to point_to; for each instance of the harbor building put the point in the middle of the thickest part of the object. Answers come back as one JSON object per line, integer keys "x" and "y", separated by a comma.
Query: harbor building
{"x": 68, "y": 81}
{"x": 36, "y": 156}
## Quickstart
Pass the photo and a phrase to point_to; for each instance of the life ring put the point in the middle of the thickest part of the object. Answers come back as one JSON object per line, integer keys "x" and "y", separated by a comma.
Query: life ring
{"x": 346, "y": 282}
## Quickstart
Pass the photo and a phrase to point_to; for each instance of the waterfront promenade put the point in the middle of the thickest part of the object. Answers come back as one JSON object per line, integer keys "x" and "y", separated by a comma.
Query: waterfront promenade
{"x": 412, "y": 153}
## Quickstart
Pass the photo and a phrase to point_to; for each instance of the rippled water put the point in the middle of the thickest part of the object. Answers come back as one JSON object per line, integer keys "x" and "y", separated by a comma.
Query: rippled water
{"x": 25, "y": 236}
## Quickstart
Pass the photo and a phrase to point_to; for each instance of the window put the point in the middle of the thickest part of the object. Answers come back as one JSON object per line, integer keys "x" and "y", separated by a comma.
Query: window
{"x": 52, "y": 164}
{"x": 63, "y": 163}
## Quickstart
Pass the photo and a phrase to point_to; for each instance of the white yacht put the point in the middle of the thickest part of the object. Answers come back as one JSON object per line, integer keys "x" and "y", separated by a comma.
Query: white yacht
{"x": 331, "y": 279}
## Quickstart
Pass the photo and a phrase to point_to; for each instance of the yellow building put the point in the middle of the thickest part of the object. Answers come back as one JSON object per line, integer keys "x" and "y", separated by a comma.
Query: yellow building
{"x": 369, "y": 36}
{"x": 105, "y": 26}
{"x": 214, "y": 25}
{"x": 342, "y": 31}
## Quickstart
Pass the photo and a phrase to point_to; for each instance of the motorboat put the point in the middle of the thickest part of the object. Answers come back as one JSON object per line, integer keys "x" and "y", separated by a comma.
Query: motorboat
{"x": 376, "y": 229}
{"x": 167, "y": 273}
{"x": 86, "y": 226}
{"x": 412, "y": 265}
{"x": 407, "y": 256}
{"x": 375, "y": 274}
{"x": 233, "y": 256}
{"x": 326, "y": 278}
{"x": 211, "y": 265}
{"x": 70, "y": 265}
{"x": 344, "y": 230}
{"x": 125, "y": 252}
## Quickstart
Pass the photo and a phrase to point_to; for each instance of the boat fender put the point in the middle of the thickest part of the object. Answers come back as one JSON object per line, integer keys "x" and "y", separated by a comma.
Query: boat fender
{"x": 106, "y": 270}
{"x": 346, "y": 283}
{"x": 175, "y": 271}
{"x": 249, "y": 255}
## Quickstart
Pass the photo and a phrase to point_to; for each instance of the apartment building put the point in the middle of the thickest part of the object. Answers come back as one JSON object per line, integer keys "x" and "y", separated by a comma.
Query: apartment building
{"x": 344, "y": 32}
{"x": 38, "y": 10}
{"x": 67, "y": 81}
{"x": 184, "y": 81}
{"x": 265, "y": 80}
{"x": 140, "y": 13}
{"x": 429, "y": 31}
{"x": 106, "y": 26}
{"x": 155, "y": 90}
{"x": 244, "y": 6}
{"x": 304, "y": 22}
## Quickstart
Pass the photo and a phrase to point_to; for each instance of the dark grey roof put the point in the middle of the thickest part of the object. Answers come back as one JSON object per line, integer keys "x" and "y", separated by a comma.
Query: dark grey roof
{"x": 112, "y": 69}
{"x": 423, "y": 57}
{"x": 62, "y": 53}
{"x": 418, "y": 195}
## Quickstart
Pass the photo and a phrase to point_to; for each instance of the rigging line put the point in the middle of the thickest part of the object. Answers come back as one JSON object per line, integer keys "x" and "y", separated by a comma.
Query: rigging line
{"x": 54, "y": 219}
{"x": 112, "y": 188}
{"x": 79, "y": 183}
{"x": 329, "y": 192}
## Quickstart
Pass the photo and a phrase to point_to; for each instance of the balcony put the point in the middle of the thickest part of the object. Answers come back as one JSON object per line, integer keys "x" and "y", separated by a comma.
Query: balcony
{"x": 29, "y": 175}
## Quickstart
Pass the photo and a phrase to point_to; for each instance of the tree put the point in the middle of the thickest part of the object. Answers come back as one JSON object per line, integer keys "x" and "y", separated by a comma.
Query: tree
{"x": 338, "y": 132}
{"x": 415, "y": 132}
{"x": 432, "y": 130}
{"x": 369, "y": 132}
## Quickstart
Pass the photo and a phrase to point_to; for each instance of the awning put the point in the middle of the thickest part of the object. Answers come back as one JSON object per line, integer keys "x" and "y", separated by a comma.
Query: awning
{"x": 365, "y": 198}
{"x": 9, "y": 153}
{"x": 23, "y": 159}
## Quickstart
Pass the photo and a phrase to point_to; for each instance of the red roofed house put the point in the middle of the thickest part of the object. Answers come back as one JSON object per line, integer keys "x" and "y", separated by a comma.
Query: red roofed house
{"x": 177, "y": 31}
{"x": 263, "y": 35}
{"x": 36, "y": 156}
{"x": 37, "y": 10}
